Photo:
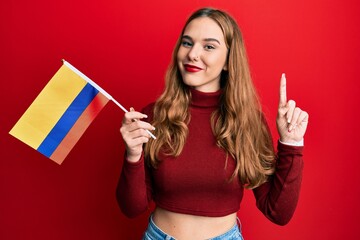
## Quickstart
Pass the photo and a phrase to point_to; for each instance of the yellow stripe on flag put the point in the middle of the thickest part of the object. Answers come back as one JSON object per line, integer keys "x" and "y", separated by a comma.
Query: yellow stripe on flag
{"x": 42, "y": 115}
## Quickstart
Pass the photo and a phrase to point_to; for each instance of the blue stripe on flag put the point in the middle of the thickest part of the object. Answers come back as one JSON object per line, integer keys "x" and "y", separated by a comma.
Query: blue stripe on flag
{"x": 67, "y": 120}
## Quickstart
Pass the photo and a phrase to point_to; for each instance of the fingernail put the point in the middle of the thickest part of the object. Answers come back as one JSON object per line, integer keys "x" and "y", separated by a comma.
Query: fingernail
{"x": 291, "y": 128}
{"x": 153, "y": 127}
{"x": 132, "y": 109}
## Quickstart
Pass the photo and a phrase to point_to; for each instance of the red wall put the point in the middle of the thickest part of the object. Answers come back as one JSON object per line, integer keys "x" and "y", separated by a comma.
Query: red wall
{"x": 125, "y": 46}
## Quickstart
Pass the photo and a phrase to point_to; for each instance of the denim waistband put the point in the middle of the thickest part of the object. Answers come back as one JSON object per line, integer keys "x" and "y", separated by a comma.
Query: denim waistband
{"x": 153, "y": 232}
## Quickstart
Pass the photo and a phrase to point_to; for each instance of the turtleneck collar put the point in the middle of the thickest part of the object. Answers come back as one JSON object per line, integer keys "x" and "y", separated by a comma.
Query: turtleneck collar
{"x": 205, "y": 100}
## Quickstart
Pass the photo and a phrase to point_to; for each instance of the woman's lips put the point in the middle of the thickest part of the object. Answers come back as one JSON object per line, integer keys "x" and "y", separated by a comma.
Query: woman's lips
{"x": 192, "y": 68}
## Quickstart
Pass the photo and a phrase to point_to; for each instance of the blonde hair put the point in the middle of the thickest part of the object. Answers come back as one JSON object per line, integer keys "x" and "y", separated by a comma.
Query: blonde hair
{"x": 238, "y": 125}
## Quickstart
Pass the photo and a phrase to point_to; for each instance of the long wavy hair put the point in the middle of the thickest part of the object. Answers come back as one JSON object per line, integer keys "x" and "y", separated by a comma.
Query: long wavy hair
{"x": 238, "y": 124}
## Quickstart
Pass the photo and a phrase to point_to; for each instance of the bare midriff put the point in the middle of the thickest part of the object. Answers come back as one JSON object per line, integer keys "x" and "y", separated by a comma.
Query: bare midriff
{"x": 185, "y": 226}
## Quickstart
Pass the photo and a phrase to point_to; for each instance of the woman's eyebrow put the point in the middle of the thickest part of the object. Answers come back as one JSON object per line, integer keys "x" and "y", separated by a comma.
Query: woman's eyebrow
{"x": 186, "y": 37}
{"x": 212, "y": 40}
{"x": 206, "y": 39}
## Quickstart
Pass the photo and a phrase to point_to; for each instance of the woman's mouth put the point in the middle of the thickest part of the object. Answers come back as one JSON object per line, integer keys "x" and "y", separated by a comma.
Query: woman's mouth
{"x": 192, "y": 68}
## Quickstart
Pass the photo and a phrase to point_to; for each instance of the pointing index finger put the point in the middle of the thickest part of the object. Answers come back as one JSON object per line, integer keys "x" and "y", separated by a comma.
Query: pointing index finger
{"x": 282, "y": 97}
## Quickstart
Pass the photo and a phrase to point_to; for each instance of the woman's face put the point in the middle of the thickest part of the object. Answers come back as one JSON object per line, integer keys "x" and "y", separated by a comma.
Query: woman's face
{"x": 202, "y": 55}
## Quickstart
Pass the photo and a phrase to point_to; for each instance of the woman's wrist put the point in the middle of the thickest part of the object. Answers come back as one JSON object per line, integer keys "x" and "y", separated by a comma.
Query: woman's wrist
{"x": 293, "y": 143}
{"x": 133, "y": 158}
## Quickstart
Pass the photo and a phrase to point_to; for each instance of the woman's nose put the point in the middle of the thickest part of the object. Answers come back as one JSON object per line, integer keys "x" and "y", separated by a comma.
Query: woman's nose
{"x": 194, "y": 53}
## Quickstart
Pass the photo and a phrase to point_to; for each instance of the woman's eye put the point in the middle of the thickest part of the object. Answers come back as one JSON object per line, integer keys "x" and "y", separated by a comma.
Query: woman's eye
{"x": 186, "y": 44}
{"x": 209, "y": 47}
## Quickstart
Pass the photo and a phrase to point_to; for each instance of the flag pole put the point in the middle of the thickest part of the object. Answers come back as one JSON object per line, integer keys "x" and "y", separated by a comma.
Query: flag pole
{"x": 106, "y": 94}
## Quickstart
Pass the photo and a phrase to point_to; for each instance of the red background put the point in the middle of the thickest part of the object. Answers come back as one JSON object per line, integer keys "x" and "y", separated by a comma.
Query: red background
{"x": 125, "y": 46}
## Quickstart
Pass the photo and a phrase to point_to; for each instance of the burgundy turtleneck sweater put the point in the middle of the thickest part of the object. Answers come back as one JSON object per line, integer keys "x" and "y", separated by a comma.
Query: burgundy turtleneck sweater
{"x": 197, "y": 183}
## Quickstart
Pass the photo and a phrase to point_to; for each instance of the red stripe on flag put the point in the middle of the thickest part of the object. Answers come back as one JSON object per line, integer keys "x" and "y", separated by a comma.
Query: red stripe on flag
{"x": 79, "y": 128}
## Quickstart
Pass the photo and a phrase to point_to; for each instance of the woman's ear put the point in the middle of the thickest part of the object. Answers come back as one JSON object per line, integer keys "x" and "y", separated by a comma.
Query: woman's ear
{"x": 225, "y": 68}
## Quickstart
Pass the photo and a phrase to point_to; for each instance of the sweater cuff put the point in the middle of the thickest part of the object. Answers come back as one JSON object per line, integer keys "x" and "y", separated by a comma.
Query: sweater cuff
{"x": 297, "y": 144}
{"x": 289, "y": 149}
{"x": 129, "y": 164}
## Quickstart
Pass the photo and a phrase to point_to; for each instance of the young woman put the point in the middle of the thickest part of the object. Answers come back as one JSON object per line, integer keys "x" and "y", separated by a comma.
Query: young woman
{"x": 212, "y": 141}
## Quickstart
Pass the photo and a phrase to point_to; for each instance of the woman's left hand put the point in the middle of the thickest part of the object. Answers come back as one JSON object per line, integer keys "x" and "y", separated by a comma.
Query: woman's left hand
{"x": 291, "y": 121}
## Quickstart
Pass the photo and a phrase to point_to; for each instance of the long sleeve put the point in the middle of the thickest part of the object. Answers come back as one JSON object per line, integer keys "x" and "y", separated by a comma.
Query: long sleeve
{"x": 277, "y": 198}
{"x": 134, "y": 190}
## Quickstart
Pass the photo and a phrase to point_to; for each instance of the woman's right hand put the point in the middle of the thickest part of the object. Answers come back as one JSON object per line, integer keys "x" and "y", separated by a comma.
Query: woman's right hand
{"x": 134, "y": 133}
